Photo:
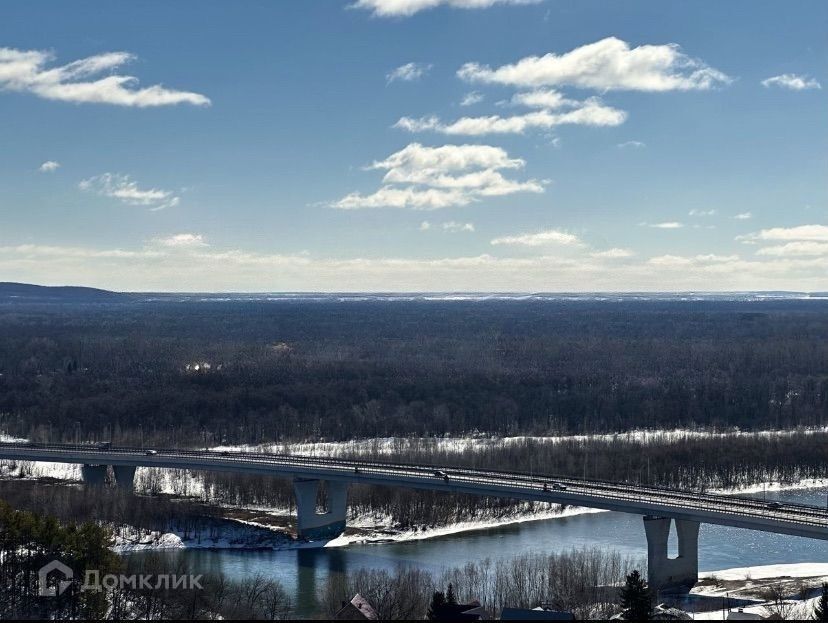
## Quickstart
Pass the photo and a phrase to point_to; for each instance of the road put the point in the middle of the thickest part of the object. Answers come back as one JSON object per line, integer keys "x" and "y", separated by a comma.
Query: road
{"x": 728, "y": 510}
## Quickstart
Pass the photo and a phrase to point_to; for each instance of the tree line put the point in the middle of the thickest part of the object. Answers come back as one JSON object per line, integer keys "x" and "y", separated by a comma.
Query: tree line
{"x": 582, "y": 581}
{"x": 209, "y": 373}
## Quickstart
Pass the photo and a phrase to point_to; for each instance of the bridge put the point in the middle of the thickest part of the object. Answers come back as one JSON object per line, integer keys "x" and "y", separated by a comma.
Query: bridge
{"x": 658, "y": 506}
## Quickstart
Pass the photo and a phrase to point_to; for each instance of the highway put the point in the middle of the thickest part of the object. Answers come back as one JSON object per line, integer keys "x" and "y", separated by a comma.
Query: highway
{"x": 728, "y": 510}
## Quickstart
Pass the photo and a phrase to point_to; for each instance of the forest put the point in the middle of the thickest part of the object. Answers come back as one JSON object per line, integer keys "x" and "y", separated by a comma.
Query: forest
{"x": 171, "y": 372}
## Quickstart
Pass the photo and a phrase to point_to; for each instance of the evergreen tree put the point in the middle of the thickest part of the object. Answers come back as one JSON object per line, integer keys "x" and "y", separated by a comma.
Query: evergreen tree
{"x": 438, "y": 600}
{"x": 451, "y": 600}
{"x": 821, "y": 607}
{"x": 635, "y": 599}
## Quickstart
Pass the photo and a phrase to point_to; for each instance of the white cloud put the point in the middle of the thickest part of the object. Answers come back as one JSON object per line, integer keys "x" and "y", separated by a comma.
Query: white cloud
{"x": 454, "y": 226}
{"x": 416, "y": 199}
{"x": 408, "y": 72}
{"x": 817, "y": 233}
{"x": 470, "y": 99}
{"x": 698, "y": 212}
{"x": 406, "y": 8}
{"x": 743, "y": 216}
{"x": 182, "y": 241}
{"x": 440, "y": 177}
{"x": 550, "y": 236}
{"x": 665, "y": 225}
{"x": 49, "y": 166}
{"x": 124, "y": 189}
{"x": 631, "y": 145}
{"x": 591, "y": 112}
{"x": 678, "y": 260}
{"x": 793, "y": 82}
{"x": 614, "y": 253}
{"x": 419, "y": 163}
{"x": 26, "y": 71}
{"x": 605, "y": 65}
{"x": 800, "y": 248}
{"x": 548, "y": 99}
{"x": 425, "y": 226}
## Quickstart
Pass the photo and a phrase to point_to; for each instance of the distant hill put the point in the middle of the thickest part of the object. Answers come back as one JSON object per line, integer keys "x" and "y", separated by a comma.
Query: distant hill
{"x": 29, "y": 293}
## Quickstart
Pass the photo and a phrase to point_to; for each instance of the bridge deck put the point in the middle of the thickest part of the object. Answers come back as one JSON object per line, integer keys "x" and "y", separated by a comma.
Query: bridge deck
{"x": 728, "y": 510}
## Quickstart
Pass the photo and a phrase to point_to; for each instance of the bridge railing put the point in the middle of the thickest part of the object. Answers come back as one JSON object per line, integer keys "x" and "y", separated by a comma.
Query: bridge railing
{"x": 531, "y": 480}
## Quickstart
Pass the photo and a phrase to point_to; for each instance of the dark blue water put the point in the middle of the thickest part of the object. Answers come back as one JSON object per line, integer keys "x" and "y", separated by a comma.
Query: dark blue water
{"x": 303, "y": 571}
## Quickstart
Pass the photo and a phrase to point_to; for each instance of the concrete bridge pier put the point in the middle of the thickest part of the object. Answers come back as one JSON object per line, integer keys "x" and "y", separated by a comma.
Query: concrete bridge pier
{"x": 665, "y": 573}
{"x": 94, "y": 474}
{"x": 313, "y": 525}
{"x": 124, "y": 476}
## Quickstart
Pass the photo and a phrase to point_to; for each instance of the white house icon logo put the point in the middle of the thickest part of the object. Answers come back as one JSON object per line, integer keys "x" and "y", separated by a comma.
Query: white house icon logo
{"x": 55, "y": 568}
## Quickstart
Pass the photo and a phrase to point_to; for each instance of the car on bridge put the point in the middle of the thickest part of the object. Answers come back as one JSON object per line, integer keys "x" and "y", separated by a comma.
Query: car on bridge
{"x": 555, "y": 486}
{"x": 438, "y": 473}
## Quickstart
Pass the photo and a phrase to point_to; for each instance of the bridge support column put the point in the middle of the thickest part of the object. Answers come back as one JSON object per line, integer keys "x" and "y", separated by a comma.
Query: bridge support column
{"x": 94, "y": 474}
{"x": 327, "y": 525}
{"x": 124, "y": 476}
{"x": 663, "y": 572}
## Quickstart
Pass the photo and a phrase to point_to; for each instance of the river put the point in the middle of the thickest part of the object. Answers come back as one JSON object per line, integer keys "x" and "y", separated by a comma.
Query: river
{"x": 303, "y": 571}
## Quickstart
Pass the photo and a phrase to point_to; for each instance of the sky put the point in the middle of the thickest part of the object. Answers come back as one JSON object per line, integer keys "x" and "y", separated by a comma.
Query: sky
{"x": 414, "y": 145}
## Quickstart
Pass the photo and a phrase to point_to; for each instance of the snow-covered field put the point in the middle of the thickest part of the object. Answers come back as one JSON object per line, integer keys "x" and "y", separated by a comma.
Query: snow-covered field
{"x": 456, "y": 445}
{"x": 795, "y": 570}
{"x": 749, "y": 585}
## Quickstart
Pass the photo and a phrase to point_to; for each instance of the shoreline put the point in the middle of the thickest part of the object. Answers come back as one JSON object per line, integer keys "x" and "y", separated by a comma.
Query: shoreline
{"x": 374, "y": 534}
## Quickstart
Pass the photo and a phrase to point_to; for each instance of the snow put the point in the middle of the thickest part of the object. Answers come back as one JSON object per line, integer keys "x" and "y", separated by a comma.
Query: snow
{"x": 388, "y": 446}
{"x": 795, "y": 570}
{"x": 4, "y": 438}
{"x": 753, "y": 580}
{"x": 384, "y": 534}
{"x": 223, "y": 534}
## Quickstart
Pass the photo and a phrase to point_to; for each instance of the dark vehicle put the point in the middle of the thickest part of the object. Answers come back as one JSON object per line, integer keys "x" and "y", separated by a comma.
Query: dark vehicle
{"x": 558, "y": 487}
{"x": 151, "y": 452}
{"x": 773, "y": 506}
{"x": 104, "y": 445}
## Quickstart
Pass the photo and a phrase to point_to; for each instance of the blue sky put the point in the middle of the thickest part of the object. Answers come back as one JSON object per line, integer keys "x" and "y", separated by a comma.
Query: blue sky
{"x": 403, "y": 145}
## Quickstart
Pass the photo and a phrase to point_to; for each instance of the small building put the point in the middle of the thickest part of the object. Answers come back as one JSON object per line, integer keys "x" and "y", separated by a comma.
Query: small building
{"x": 358, "y": 609}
